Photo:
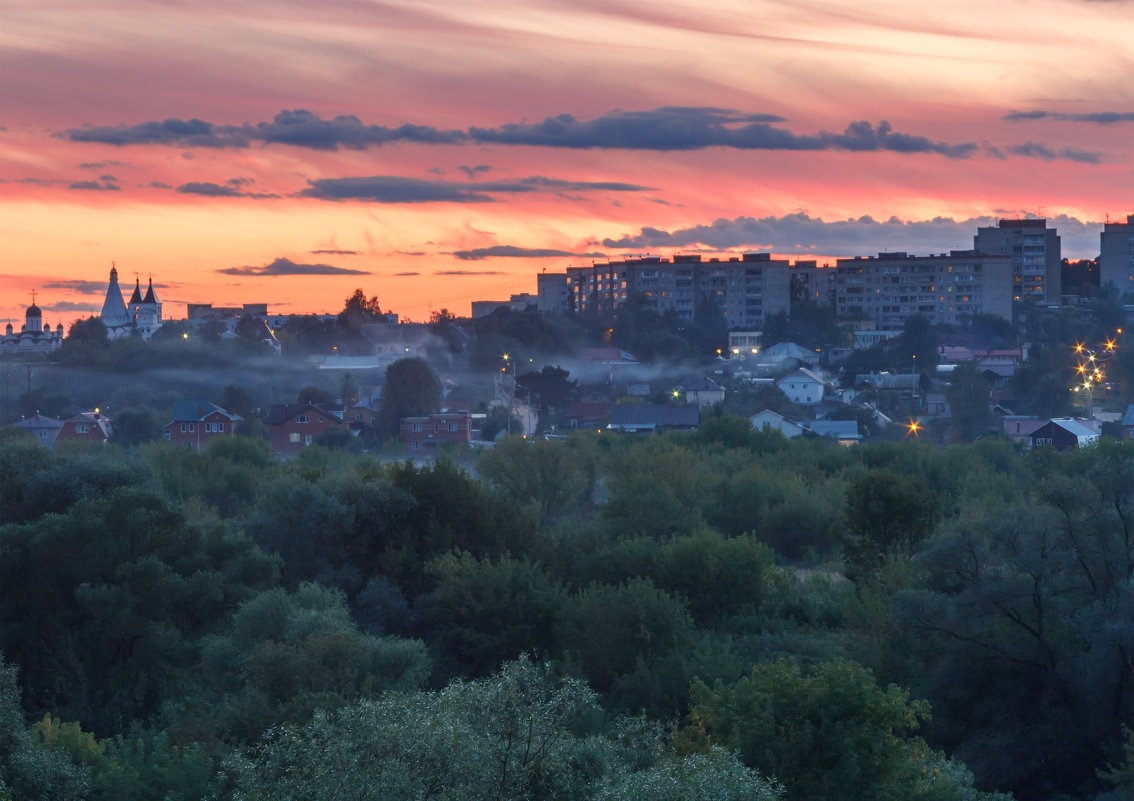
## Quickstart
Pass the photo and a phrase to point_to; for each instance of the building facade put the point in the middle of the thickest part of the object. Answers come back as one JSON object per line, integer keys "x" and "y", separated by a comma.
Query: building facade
{"x": 86, "y": 427}
{"x": 1116, "y": 255}
{"x": 814, "y": 283}
{"x": 294, "y": 426}
{"x": 551, "y": 293}
{"x": 1035, "y": 253}
{"x": 891, "y": 287}
{"x": 196, "y": 423}
{"x": 746, "y": 289}
{"x": 421, "y": 436}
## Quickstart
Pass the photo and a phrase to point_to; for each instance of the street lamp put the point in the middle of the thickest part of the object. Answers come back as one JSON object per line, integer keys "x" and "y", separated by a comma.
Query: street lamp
{"x": 1090, "y": 369}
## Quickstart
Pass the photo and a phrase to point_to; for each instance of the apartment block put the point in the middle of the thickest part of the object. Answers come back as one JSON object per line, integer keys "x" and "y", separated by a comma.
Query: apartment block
{"x": 814, "y": 283}
{"x": 551, "y": 293}
{"x": 1035, "y": 252}
{"x": 1116, "y": 255}
{"x": 746, "y": 289}
{"x": 891, "y": 287}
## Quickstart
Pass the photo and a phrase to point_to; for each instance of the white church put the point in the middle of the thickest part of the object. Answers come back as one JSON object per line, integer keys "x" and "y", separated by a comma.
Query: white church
{"x": 34, "y": 337}
{"x": 141, "y": 314}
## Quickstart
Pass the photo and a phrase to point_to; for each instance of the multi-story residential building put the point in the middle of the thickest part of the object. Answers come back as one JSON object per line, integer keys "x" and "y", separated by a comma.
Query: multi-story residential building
{"x": 1116, "y": 255}
{"x": 746, "y": 289}
{"x": 551, "y": 293}
{"x": 891, "y": 287}
{"x": 1035, "y": 252}
{"x": 422, "y": 435}
{"x": 815, "y": 283}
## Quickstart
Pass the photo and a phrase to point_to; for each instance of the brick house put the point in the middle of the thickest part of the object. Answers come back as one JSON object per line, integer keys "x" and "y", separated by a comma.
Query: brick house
{"x": 422, "y": 435}
{"x": 196, "y": 423}
{"x": 294, "y": 426}
{"x": 86, "y": 427}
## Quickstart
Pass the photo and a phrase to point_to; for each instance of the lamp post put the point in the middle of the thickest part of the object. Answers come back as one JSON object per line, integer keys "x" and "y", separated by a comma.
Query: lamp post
{"x": 1090, "y": 368}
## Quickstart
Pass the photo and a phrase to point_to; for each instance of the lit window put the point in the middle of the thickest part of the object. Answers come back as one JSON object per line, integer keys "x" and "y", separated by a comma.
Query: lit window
{"x": 293, "y": 437}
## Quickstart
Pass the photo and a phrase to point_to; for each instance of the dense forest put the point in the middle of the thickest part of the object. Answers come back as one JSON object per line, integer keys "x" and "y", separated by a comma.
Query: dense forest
{"x": 724, "y": 614}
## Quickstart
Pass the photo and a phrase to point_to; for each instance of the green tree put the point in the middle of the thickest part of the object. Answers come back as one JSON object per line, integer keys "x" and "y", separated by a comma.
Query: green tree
{"x": 968, "y": 397}
{"x": 104, "y": 604}
{"x": 287, "y": 655}
{"x": 918, "y": 345}
{"x": 560, "y": 477}
{"x": 887, "y": 515}
{"x": 411, "y": 389}
{"x": 548, "y": 389}
{"x": 137, "y": 425}
{"x": 503, "y": 738}
{"x": 485, "y": 612}
{"x": 29, "y": 768}
{"x": 617, "y": 635}
{"x": 715, "y": 774}
{"x": 828, "y": 735}
{"x": 316, "y": 395}
{"x": 238, "y": 400}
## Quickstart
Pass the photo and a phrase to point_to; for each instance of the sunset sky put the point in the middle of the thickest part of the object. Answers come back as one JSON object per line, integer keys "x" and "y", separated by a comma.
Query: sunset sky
{"x": 435, "y": 152}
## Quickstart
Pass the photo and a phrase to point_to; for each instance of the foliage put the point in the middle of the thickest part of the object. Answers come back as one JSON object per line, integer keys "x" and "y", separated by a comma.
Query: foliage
{"x": 832, "y": 734}
{"x": 504, "y": 738}
{"x": 103, "y": 602}
{"x": 412, "y": 389}
{"x": 560, "y": 477}
{"x": 137, "y": 425}
{"x": 968, "y": 397}
{"x": 887, "y": 515}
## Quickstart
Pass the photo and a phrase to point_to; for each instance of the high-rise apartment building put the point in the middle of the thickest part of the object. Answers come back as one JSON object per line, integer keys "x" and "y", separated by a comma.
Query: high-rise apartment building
{"x": 815, "y": 283}
{"x": 746, "y": 289}
{"x": 1035, "y": 252}
{"x": 1116, "y": 255}
{"x": 551, "y": 290}
{"x": 891, "y": 287}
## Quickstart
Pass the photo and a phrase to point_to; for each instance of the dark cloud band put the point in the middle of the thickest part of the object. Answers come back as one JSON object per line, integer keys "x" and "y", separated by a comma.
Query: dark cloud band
{"x": 1096, "y": 117}
{"x": 513, "y": 252}
{"x": 288, "y": 267}
{"x": 671, "y": 128}
{"x": 398, "y": 189}
{"x": 801, "y": 233}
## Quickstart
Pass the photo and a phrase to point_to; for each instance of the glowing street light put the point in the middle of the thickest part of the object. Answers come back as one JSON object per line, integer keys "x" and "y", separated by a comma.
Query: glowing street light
{"x": 913, "y": 428}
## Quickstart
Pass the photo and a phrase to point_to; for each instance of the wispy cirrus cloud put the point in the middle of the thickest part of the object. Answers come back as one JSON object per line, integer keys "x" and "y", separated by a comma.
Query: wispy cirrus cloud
{"x": 1096, "y": 117}
{"x": 513, "y": 252}
{"x": 282, "y": 266}
{"x": 333, "y": 252}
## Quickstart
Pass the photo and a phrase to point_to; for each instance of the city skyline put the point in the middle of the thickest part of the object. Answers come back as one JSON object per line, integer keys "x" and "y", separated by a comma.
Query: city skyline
{"x": 438, "y": 155}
